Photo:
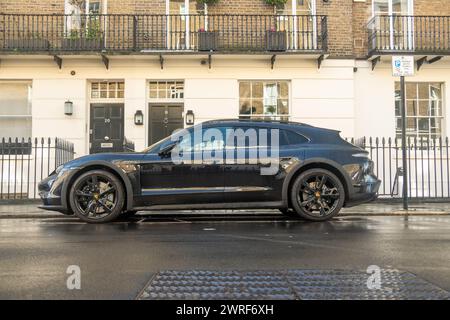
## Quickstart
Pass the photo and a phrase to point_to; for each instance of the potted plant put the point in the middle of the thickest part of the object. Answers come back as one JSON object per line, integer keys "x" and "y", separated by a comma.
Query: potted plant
{"x": 32, "y": 42}
{"x": 207, "y": 40}
{"x": 277, "y": 4}
{"x": 276, "y": 40}
{"x": 207, "y": 2}
{"x": 90, "y": 39}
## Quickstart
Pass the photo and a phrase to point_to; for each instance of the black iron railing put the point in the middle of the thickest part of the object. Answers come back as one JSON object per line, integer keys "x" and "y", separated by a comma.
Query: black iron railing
{"x": 24, "y": 162}
{"x": 428, "y": 166}
{"x": 409, "y": 34}
{"x": 146, "y": 33}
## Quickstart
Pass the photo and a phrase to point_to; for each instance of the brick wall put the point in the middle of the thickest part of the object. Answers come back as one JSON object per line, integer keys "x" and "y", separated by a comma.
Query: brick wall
{"x": 347, "y": 19}
{"x": 240, "y": 7}
{"x": 432, "y": 7}
{"x": 340, "y": 39}
{"x": 32, "y": 6}
{"x": 362, "y": 11}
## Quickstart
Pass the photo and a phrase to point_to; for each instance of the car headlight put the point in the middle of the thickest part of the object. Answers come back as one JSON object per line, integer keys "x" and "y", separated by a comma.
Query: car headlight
{"x": 59, "y": 169}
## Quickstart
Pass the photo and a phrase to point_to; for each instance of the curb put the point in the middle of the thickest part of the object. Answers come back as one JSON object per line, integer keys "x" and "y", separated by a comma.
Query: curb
{"x": 349, "y": 214}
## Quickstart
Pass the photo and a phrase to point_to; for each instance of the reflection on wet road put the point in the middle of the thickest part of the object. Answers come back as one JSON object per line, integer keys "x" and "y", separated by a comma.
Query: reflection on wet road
{"x": 117, "y": 259}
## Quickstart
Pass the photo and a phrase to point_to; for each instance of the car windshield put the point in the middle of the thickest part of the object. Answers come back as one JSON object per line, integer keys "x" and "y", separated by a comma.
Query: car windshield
{"x": 157, "y": 145}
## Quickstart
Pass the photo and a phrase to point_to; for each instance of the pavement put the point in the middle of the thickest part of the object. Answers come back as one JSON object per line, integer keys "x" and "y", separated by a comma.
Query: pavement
{"x": 30, "y": 209}
{"x": 118, "y": 260}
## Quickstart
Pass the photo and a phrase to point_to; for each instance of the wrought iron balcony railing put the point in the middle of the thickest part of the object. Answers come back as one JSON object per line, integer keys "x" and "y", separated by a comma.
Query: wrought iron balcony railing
{"x": 30, "y": 33}
{"x": 409, "y": 34}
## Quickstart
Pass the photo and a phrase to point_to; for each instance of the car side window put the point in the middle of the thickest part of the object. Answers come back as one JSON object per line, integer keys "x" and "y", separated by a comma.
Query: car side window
{"x": 288, "y": 138}
{"x": 212, "y": 138}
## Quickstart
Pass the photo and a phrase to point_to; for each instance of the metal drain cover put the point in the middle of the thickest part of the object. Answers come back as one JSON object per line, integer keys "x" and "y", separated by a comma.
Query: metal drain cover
{"x": 287, "y": 285}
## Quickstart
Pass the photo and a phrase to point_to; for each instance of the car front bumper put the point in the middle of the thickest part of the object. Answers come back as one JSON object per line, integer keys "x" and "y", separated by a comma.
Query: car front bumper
{"x": 50, "y": 193}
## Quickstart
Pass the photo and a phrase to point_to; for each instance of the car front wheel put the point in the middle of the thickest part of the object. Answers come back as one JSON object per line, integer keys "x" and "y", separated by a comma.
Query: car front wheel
{"x": 317, "y": 195}
{"x": 97, "y": 196}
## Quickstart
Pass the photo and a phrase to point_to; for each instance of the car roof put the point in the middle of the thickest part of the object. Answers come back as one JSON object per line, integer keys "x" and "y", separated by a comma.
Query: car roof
{"x": 270, "y": 123}
{"x": 315, "y": 134}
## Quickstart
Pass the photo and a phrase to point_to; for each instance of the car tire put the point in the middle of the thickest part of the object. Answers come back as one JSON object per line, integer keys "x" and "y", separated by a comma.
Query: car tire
{"x": 97, "y": 196}
{"x": 317, "y": 195}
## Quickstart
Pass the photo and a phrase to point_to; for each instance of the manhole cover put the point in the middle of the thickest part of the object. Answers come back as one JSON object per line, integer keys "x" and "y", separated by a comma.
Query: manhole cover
{"x": 287, "y": 285}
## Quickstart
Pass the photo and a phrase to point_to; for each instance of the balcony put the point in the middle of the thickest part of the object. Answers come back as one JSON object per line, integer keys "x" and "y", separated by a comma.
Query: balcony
{"x": 398, "y": 34}
{"x": 147, "y": 34}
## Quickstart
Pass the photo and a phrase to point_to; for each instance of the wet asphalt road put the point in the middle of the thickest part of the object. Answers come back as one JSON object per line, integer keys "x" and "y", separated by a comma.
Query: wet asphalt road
{"x": 118, "y": 259}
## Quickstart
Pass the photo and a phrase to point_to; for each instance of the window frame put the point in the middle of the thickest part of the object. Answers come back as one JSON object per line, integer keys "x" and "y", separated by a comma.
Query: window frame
{"x": 277, "y": 116}
{"x": 440, "y": 117}
{"x": 108, "y": 98}
{"x": 29, "y": 116}
{"x": 166, "y": 81}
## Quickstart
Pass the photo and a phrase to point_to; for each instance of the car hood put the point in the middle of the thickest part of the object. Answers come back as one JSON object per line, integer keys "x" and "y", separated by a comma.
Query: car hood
{"x": 100, "y": 157}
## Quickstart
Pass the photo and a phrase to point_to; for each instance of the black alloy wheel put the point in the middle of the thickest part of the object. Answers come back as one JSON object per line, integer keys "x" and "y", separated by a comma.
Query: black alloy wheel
{"x": 97, "y": 196}
{"x": 317, "y": 195}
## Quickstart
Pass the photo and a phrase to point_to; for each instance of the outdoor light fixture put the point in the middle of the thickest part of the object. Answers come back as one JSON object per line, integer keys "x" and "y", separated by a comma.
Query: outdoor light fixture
{"x": 139, "y": 118}
{"x": 190, "y": 117}
{"x": 68, "y": 108}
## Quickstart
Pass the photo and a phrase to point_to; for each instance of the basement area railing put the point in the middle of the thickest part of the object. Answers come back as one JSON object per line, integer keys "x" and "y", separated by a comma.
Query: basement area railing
{"x": 428, "y": 166}
{"x": 25, "y": 162}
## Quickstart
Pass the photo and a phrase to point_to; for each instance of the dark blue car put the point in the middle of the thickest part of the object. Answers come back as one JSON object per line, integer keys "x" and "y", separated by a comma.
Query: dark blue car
{"x": 299, "y": 169}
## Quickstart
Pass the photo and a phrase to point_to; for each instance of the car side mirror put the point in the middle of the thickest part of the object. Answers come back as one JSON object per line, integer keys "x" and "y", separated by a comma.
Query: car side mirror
{"x": 165, "y": 152}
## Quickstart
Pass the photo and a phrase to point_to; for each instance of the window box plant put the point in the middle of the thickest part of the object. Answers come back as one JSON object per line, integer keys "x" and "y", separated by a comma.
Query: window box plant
{"x": 207, "y": 40}
{"x": 34, "y": 42}
{"x": 89, "y": 40}
{"x": 276, "y": 40}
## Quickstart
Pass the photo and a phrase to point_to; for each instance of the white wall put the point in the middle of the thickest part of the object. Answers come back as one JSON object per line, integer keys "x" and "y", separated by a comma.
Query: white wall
{"x": 48, "y": 118}
{"x": 375, "y": 95}
{"x": 357, "y": 103}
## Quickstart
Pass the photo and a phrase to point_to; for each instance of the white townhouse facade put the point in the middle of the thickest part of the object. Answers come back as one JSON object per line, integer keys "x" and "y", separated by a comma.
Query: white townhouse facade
{"x": 97, "y": 72}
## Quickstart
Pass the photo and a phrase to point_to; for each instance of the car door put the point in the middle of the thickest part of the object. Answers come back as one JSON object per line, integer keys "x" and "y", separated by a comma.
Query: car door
{"x": 193, "y": 178}
{"x": 258, "y": 176}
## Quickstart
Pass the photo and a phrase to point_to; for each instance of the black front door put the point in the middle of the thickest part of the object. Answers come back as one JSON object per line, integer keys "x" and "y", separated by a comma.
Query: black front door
{"x": 106, "y": 128}
{"x": 163, "y": 120}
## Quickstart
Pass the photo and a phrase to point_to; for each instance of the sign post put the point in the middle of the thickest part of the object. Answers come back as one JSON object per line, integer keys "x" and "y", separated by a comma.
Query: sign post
{"x": 403, "y": 66}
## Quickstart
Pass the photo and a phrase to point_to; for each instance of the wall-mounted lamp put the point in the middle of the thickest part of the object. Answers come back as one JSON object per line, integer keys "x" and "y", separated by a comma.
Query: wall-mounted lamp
{"x": 190, "y": 118}
{"x": 139, "y": 118}
{"x": 68, "y": 108}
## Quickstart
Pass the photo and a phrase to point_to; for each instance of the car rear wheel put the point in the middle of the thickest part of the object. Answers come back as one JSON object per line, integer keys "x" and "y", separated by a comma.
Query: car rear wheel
{"x": 317, "y": 195}
{"x": 97, "y": 196}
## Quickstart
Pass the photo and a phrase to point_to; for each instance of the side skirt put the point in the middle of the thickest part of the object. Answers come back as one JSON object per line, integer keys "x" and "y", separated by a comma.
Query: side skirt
{"x": 202, "y": 206}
